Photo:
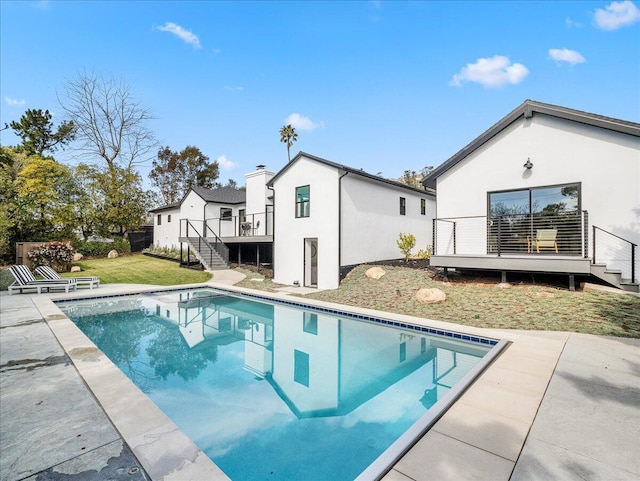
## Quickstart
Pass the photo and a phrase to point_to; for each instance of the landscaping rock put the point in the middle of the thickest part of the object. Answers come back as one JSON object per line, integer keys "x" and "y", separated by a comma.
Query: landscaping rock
{"x": 112, "y": 254}
{"x": 430, "y": 295}
{"x": 76, "y": 269}
{"x": 375, "y": 273}
{"x": 504, "y": 285}
{"x": 77, "y": 256}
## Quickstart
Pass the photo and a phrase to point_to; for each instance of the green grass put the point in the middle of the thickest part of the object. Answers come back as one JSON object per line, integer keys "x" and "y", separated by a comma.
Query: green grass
{"x": 486, "y": 305}
{"x": 139, "y": 269}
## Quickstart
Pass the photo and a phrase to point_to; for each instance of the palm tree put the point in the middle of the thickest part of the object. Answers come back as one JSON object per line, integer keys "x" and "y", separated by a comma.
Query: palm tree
{"x": 288, "y": 136}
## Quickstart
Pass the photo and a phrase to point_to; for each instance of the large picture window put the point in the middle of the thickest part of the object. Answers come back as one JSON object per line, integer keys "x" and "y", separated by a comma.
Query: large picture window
{"x": 302, "y": 201}
{"x": 539, "y": 218}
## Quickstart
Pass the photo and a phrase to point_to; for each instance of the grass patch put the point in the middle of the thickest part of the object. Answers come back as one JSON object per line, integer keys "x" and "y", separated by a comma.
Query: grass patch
{"x": 531, "y": 307}
{"x": 138, "y": 269}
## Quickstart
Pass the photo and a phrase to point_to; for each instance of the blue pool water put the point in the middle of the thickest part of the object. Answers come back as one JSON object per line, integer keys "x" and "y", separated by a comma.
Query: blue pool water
{"x": 271, "y": 390}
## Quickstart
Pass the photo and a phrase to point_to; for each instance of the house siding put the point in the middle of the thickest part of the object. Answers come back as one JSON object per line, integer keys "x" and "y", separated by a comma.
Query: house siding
{"x": 321, "y": 224}
{"x": 359, "y": 213}
{"x": 371, "y": 220}
{"x": 606, "y": 163}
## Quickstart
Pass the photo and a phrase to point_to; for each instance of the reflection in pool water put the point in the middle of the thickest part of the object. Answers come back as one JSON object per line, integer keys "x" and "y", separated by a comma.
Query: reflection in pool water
{"x": 269, "y": 390}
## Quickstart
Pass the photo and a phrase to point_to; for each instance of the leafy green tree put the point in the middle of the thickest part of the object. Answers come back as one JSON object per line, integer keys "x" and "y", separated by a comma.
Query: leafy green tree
{"x": 174, "y": 173}
{"x": 38, "y": 134}
{"x": 288, "y": 136}
{"x": 126, "y": 203}
{"x": 43, "y": 187}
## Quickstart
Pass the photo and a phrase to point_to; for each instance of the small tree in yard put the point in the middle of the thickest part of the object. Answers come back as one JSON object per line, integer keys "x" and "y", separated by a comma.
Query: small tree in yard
{"x": 406, "y": 242}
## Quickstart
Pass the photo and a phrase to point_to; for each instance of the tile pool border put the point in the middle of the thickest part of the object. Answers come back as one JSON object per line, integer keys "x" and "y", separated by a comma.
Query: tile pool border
{"x": 488, "y": 341}
{"x": 153, "y": 461}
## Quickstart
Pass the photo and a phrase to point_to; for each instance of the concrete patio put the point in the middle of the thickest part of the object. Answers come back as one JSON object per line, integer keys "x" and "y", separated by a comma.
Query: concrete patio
{"x": 552, "y": 406}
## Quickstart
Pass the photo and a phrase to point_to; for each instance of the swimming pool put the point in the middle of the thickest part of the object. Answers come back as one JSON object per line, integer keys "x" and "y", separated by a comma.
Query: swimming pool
{"x": 269, "y": 389}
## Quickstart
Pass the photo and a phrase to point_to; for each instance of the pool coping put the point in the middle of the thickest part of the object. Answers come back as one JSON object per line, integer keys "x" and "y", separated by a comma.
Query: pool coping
{"x": 167, "y": 453}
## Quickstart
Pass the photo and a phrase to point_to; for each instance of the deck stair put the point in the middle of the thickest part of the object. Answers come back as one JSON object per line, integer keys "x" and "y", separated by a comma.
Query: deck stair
{"x": 614, "y": 277}
{"x": 212, "y": 253}
{"x": 206, "y": 253}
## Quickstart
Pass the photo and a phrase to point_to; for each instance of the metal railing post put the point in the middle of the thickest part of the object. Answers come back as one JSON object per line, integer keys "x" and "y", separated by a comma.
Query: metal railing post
{"x": 594, "y": 245}
{"x": 454, "y": 238}
{"x": 585, "y": 232}
{"x": 499, "y": 236}
{"x": 633, "y": 263}
{"x": 434, "y": 236}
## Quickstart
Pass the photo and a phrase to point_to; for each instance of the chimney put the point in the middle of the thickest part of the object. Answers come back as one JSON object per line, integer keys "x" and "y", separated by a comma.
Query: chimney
{"x": 260, "y": 167}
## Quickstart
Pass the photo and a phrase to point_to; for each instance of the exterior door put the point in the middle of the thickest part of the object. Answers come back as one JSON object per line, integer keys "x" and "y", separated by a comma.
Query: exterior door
{"x": 311, "y": 262}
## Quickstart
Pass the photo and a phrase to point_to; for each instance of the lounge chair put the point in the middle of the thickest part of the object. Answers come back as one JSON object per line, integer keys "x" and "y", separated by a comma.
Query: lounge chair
{"x": 25, "y": 280}
{"x": 546, "y": 239}
{"x": 48, "y": 273}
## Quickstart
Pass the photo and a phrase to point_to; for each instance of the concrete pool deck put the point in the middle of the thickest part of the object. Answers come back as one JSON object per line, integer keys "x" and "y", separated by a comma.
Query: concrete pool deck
{"x": 552, "y": 406}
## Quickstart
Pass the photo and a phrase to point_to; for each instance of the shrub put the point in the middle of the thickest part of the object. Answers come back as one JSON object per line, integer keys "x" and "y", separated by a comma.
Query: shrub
{"x": 122, "y": 245}
{"x": 406, "y": 242}
{"x": 101, "y": 249}
{"x": 57, "y": 255}
{"x": 424, "y": 254}
{"x": 5, "y": 279}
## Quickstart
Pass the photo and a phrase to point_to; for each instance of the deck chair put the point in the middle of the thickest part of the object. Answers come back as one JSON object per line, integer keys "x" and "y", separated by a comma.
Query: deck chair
{"x": 25, "y": 280}
{"x": 88, "y": 281}
{"x": 546, "y": 239}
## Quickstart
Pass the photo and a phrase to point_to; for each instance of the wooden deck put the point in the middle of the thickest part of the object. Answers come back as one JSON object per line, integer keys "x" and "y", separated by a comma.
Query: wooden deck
{"x": 552, "y": 263}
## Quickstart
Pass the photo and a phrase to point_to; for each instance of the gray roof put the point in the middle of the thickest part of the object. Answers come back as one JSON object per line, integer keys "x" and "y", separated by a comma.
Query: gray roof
{"x": 350, "y": 170}
{"x": 527, "y": 109}
{"x": 221, "y": 195}
{"x": 175, "y": 205}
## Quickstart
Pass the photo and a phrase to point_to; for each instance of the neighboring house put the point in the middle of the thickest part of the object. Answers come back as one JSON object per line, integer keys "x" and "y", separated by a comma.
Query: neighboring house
{"x": 546, "y": 189}
{"x": 330, "y": 217}
{"x": 236, "y": 223}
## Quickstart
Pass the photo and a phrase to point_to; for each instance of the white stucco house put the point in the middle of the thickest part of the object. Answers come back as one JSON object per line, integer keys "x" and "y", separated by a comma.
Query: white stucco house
{"x": 235, "y": 222}
{"x": 330, "y": 217}
{"x": 546, "y": 189}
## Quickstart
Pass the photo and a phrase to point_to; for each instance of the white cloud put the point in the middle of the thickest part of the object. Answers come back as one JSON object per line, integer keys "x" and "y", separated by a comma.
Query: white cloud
{"x": 14, "y": 102}
{"x": 565, "y": 55}
{"x": 236, "y": 88}
{"x": 570, "y": 23}
{"x": 491, "y": 72}
{"x": 302, "y": 123}
{"x": 616, "y": 15}
{"x": 226, "y": 164}
{"x": 187, "y": 35}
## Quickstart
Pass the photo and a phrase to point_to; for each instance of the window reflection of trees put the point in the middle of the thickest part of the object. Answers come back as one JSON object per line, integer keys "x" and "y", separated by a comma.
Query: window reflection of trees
{"x": 126, "y": 336}
{"x": 516, "y": 216}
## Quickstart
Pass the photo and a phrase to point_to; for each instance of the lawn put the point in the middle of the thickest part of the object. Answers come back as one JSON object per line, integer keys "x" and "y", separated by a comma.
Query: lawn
{"x": 139, "y": 269}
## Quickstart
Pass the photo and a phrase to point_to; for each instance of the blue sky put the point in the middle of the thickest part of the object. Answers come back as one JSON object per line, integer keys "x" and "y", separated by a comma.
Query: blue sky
{"x": 383, "y": 86}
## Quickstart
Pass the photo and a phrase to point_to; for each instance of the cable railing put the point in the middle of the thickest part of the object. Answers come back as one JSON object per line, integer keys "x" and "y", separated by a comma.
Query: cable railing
{"x": 206, "y": 243}
{"x": 248, "y": 225}
{"x": 562, "y": 234}
{"x": 615, "y": 252}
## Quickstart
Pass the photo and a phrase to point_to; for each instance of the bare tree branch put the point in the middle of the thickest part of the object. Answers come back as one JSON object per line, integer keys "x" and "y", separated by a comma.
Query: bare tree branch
{"x": 111, "y": 124}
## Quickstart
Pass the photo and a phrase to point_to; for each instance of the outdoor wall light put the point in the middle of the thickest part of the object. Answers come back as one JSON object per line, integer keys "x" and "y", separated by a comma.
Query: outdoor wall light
{"x": 528, "y": 164}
